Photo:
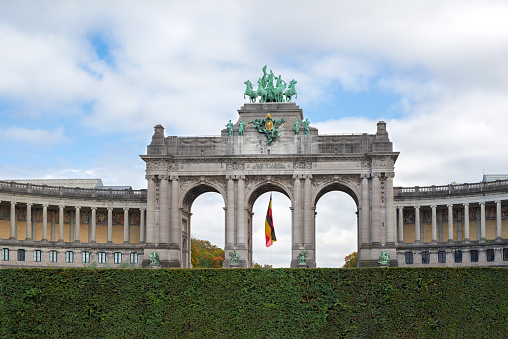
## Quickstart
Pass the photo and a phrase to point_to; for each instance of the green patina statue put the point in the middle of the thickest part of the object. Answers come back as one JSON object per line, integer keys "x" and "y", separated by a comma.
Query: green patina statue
{"x": 302, "y": 258}
{"x": 266, "y": 90}
{"x": 154, "y": 258}
{"x": 234, "y": 258}
{"x": 306, "y": 125}
{"x": 384, "y": 258}
{"x": 268, "y": 127}
{"x": 291, "y": 91}
{"x": 241, "y": 126}
{"x": 229, "y": 126}
{"x": 297, "y": 127}
{"x": 250, "y": 92}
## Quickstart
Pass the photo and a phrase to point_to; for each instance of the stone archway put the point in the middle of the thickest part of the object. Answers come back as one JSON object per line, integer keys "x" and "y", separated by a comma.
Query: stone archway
{"x": 256, "y": 187}
{"x": 350, "y": 187}
{"x": 241, "y": 164}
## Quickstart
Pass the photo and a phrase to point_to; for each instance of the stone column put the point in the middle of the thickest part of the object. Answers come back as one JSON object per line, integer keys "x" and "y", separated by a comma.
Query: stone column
{"x": 29, "y": 221}
{"x": 434, "y": 224}
{"x": 44, "y": 222}
{"x": 164, "y": 211}
{"x": 77, "y": 224}
{"x": 110, "y": 225}
{"x": 308, "y": 232}
{"x": 297, "y": 233}
{"x": 376, "y": 209}
{"x": 126, "y": 230}
{"x": 499, "y": 221}
{"x": 230, "y": 212}
{"x": 450, "y": 222}
{"x": 13, "y": 218}
{"x": 417, "y": 224}
{"x": 389, "y": 222}
{"x": 53, "y": 220}
{"x": 150, "y": 210}
{"x": 142, "y": 225}
{"x": 482, "y": 222}
{"x": 71, "y": 226}
{"x": 240, "y": 212}
{"x": 61, "y": 223}
{"x": 365, "y": 216}
{"x": 466, "y": 222}
{"x": 34, "y": 224}
{"x": 176, "y": 228}
{"x": 93, "y": 237}
{"x": 401, "y": 224}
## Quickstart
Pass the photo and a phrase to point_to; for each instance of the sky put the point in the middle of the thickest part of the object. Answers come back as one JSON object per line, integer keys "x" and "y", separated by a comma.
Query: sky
{"x": 83, "y": 83}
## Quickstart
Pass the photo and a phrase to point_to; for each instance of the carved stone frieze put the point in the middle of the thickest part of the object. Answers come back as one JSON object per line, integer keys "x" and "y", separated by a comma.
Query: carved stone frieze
{"x": 382, "y": 162}
{"x": 157, "y": 165}
{"x": 233, "y": 166}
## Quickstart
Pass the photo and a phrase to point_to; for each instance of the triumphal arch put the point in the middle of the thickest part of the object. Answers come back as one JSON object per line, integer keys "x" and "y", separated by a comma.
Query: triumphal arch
{"x": 270, "y": 148}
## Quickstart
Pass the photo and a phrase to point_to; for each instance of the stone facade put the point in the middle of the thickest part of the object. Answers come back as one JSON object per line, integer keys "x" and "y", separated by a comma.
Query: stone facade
{"x": 455, "y": 225}
{"x": 242, "y": 167}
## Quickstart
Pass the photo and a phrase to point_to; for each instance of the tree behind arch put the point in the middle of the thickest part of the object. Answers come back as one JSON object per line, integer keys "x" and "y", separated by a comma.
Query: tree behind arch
{"x": 351, "y": 260}
{"x": 206, "y": 255}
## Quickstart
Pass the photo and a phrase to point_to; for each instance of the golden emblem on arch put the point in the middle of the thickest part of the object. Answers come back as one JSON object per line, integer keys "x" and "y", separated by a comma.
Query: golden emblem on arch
{"x": 268, "y": 125}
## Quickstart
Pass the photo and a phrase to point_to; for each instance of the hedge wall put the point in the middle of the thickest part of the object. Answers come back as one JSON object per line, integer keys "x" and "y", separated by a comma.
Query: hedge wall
{"x": 254, "y": 303}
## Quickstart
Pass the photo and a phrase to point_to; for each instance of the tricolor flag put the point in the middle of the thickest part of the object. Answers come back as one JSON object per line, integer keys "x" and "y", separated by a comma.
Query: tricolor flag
{"x": 269, "y": 230}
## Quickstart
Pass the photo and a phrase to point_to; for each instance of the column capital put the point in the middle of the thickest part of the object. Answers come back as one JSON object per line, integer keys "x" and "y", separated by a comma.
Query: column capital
{"x": 45, "y": 205}
{"x": 230, "y": 176}
{"x": 61, "y": 206}
{"x": 110, "y": 208}
{"x": 13, "y": 203}
{"x": 240, "y": 177}
{"x": 297, "y": 176}
{"x": 149, "y": 177}
{"x": 466, "y": 204}
{"x": 400, "y": 207}
{"x": 449, "y": 205}
{"x": 433, "y": 206}
{"x": 126, "y": 209}
{"x": 376, "y": 175}
{"x": 497, "y": 201}
{"x": 142, "y": 209}
{"x": 164, "y": 177}
{"x": 93, "y": 208}
{"x": 173, "y": 177}
{"x": 416, "y": 207}
{"x": 390, "y": 175}
{"x": 365, "y": 176}
{"x": 308, "y": 176}
{"x": 77, "y": 207}
{"x": 29, "y": 204}
{"x": 482, "y": 202}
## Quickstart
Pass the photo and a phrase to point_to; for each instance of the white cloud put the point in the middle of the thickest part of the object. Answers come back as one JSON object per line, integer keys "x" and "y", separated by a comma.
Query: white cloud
{"x": 33, "y": 136}
{"x": 183, "y": 64}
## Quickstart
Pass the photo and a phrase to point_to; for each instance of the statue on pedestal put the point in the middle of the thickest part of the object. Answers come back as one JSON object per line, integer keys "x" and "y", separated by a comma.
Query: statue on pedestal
{"x": 306, "y": 125}
{"x": 297, "y": 127}
{"x": 241, "y": 126}
{"x": 235, "y": 257}
{"x": 302, "y": 259}
{"x": 229, "y": 126}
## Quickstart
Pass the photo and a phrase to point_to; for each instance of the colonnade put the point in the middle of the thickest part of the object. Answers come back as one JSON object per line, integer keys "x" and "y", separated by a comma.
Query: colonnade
{"x": 449, "y": 234}
{"x": 56, "y": 232}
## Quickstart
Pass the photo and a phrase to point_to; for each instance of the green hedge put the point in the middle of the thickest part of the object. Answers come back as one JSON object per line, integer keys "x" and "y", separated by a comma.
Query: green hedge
{"x": 254, "y": 303}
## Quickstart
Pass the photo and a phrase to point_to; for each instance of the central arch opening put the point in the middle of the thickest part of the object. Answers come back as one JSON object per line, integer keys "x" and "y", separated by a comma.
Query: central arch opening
{"x": 279, "y": 254}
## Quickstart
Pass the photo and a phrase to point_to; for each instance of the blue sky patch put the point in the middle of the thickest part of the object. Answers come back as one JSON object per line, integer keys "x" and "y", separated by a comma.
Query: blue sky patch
{"x": 102, "y": 47}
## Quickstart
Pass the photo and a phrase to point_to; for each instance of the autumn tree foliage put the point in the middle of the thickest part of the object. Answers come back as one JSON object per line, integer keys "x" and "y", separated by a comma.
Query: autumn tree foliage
{"x": 351, "y": 260}
{"x": 206, "y": 255}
